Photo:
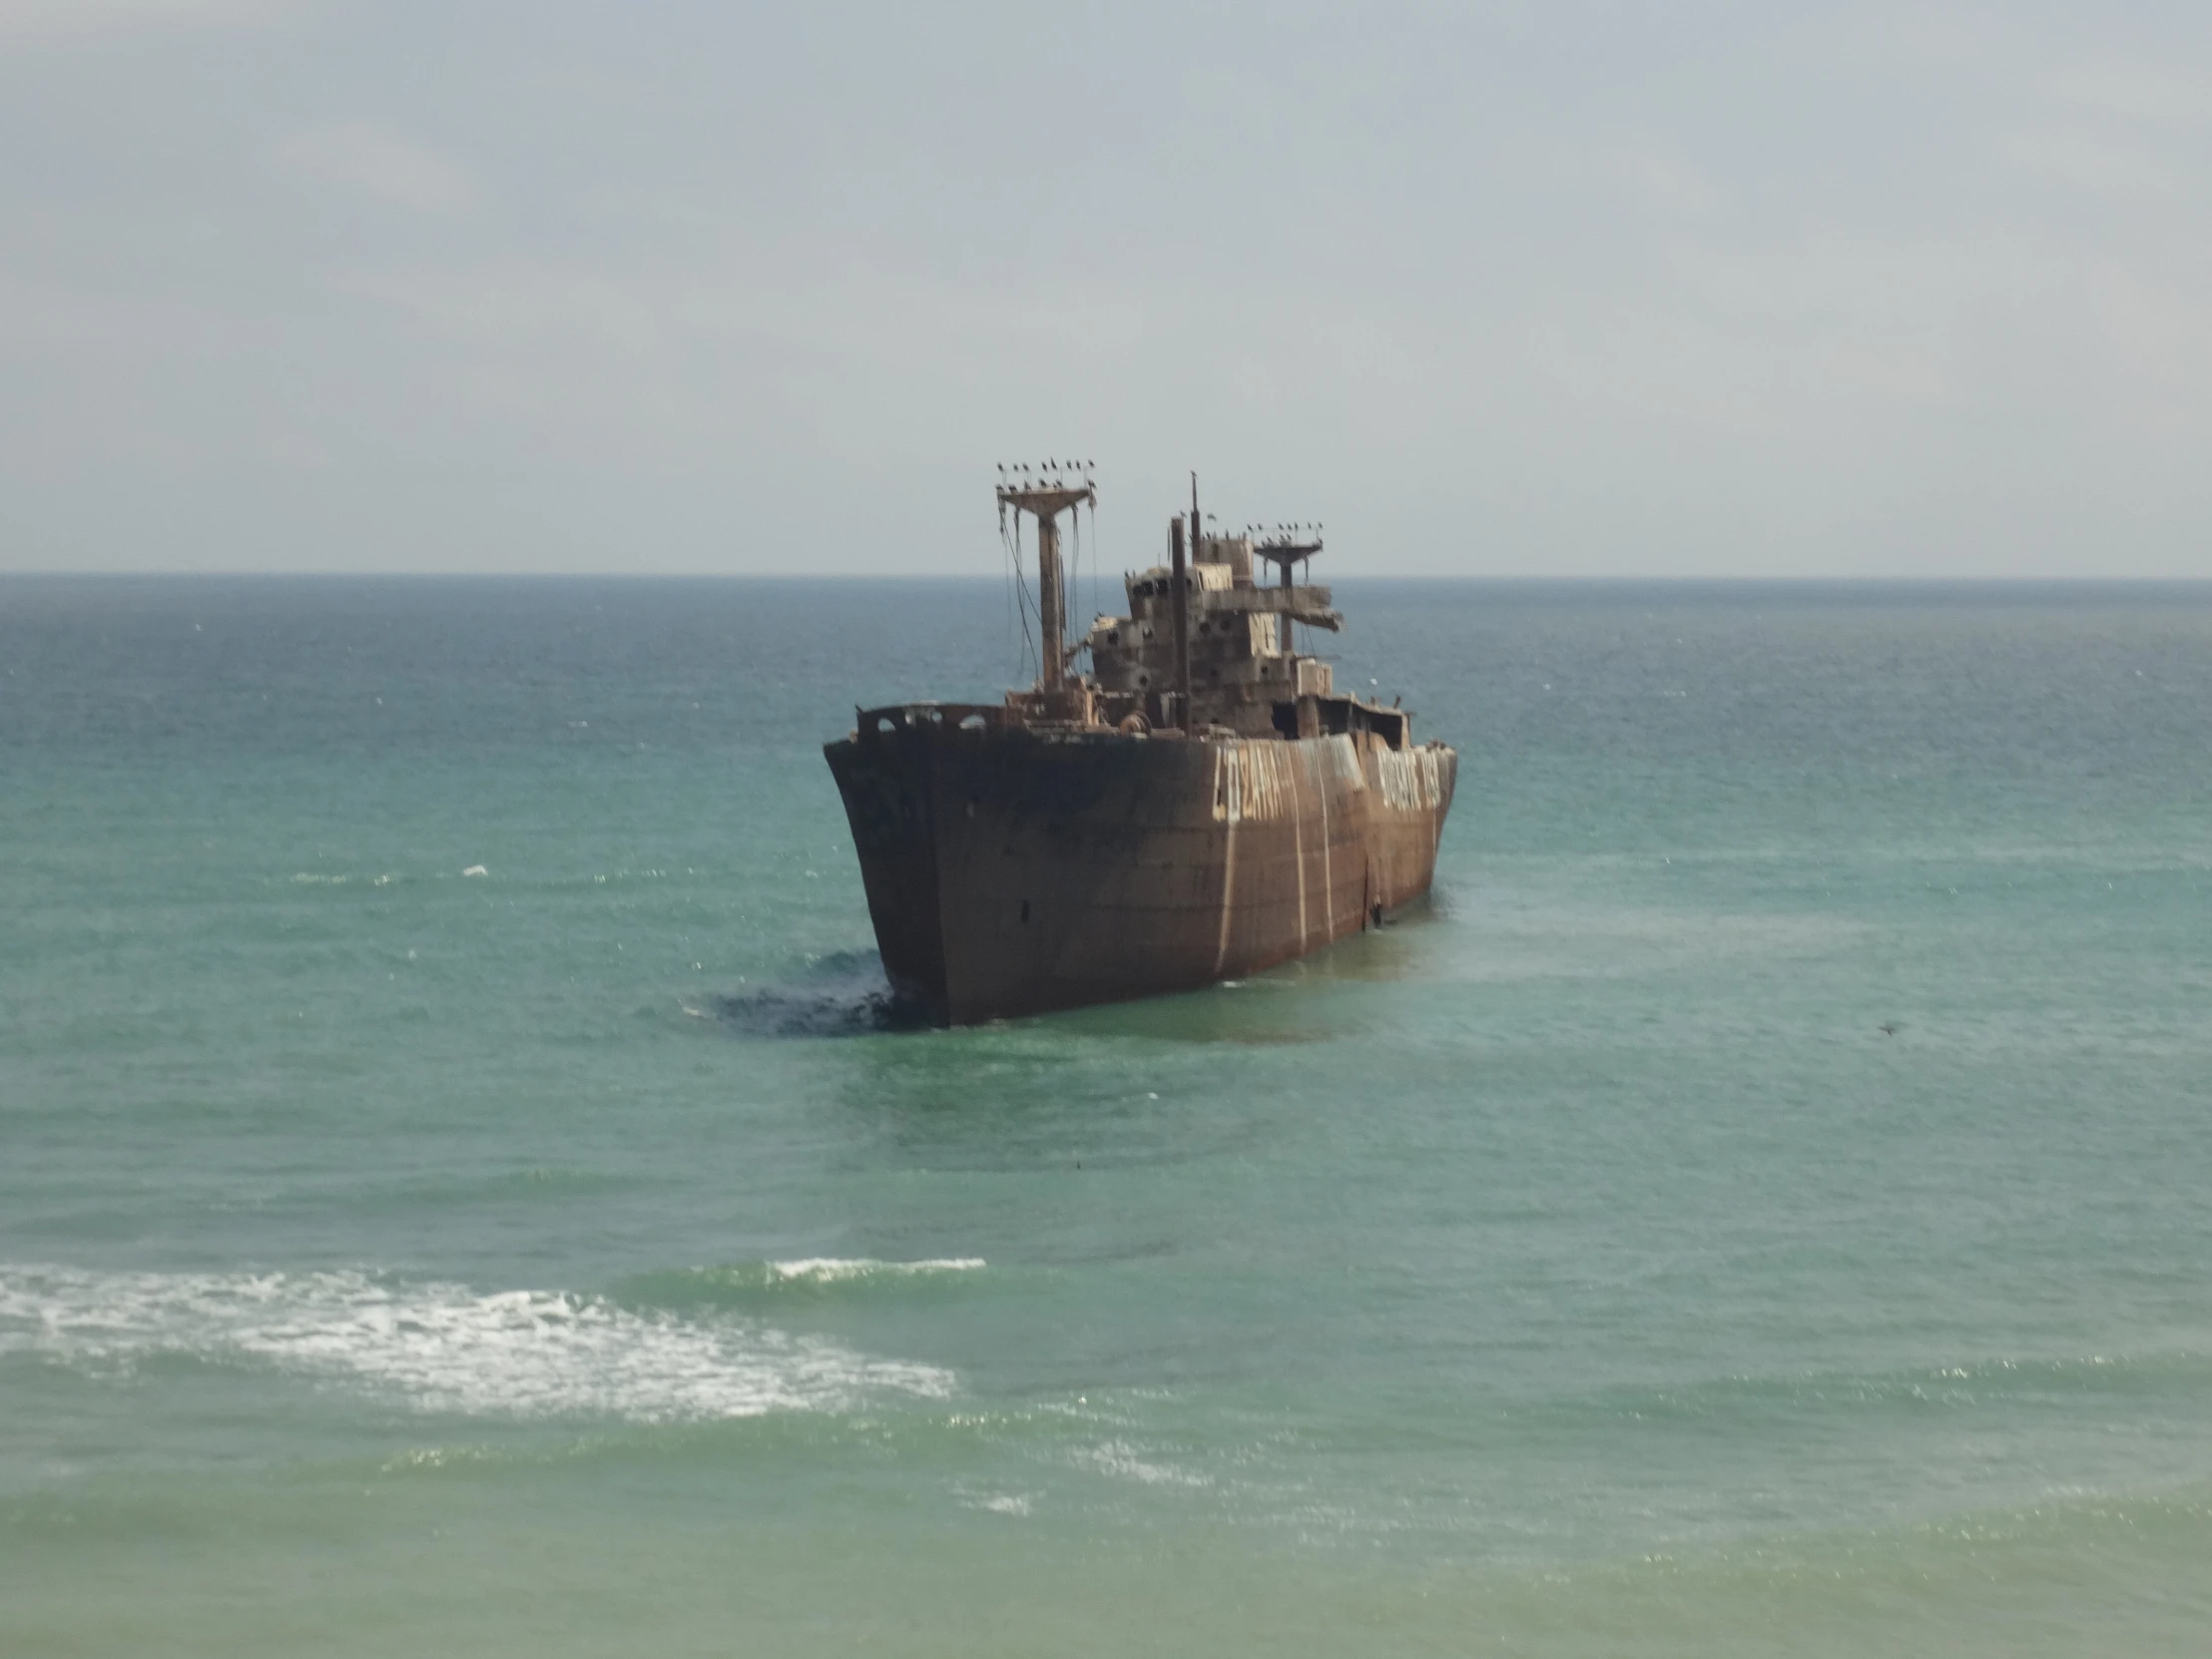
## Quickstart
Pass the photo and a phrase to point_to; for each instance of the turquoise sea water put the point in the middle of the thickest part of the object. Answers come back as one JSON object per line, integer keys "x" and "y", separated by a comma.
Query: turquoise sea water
{"x": 558, "y": 1260}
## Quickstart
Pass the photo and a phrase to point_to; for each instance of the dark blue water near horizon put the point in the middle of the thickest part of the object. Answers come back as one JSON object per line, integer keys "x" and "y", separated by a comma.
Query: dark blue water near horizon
{"x": 455, "y": 1193}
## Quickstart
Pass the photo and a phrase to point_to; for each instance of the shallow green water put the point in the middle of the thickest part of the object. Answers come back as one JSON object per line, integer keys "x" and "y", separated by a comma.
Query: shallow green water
{"x": 558, "y": 1260}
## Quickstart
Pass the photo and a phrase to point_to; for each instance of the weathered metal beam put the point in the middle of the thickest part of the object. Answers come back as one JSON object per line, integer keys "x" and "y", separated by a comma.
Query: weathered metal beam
{"x": 1307, "y": 604}
{"x": 1051, "y": 610}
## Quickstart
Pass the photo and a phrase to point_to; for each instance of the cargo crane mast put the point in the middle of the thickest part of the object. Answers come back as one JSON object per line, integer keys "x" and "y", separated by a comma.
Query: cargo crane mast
{"x": 1288, "y": 545}
{"x": 1044, "y": 494}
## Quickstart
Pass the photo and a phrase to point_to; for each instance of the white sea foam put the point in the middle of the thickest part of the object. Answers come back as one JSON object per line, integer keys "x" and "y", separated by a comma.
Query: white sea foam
{"x": 1122, "y": 1461}
{"x": 829, "y": 1270}
{"x": 446, "y": 1346}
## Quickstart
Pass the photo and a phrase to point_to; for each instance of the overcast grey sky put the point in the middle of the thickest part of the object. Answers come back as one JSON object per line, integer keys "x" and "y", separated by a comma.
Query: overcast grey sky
{"x": 1550, "y": 288}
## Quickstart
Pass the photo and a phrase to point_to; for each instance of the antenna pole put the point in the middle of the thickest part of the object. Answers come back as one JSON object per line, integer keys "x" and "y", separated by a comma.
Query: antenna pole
{"x": 1182, "y": 612}
{"x": 1198, "y": 545}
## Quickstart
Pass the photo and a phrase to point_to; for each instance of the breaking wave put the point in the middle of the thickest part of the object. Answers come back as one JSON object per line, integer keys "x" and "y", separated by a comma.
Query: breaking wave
{"x": 828, "y": 1270}
{"x": 447, "y": 1348}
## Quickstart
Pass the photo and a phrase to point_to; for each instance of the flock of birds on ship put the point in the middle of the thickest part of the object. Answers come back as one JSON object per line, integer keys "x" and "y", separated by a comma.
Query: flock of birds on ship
{"x": 1053, "y": 475}
{"x": 1048, "y": 476}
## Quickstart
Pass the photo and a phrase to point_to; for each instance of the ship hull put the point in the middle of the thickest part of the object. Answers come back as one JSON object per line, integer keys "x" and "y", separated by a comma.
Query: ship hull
{"x": 1011, "y": 870}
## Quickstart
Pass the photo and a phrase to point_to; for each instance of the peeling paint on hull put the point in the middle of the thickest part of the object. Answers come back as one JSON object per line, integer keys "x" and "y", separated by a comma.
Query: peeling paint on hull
{"x": 1012, "y": 870}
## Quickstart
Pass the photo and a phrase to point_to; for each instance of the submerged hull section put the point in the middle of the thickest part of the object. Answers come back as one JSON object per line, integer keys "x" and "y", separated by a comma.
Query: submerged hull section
{"x": 1013, "y": 870}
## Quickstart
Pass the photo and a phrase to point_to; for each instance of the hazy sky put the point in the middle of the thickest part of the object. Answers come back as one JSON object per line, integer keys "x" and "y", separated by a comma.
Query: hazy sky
{"x": 1551, "y": 288}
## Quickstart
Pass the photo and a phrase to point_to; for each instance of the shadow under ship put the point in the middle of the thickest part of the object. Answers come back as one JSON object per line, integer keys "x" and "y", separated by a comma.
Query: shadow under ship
{"x": 1201, "y": 805}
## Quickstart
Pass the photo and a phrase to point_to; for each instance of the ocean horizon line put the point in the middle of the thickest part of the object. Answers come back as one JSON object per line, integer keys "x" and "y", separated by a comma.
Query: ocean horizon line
{"x": 935, "y": 578}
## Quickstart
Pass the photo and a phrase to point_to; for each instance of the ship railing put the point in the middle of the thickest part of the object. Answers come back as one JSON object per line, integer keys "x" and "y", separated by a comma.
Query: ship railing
{"x": 898, "y": 716}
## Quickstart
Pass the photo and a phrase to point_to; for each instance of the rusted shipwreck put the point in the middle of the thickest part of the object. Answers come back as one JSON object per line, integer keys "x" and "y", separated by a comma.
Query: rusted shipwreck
{"x": 1201, "y": 804}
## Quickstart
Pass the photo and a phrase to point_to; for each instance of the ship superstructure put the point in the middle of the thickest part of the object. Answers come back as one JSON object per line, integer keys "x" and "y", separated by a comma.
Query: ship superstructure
{"x": 1198, "y": 804}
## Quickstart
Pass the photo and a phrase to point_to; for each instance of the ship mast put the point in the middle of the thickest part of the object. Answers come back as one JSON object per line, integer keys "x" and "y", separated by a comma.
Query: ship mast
{"x": 1286, "y": 547}
{"x": 1044, "y": 494}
